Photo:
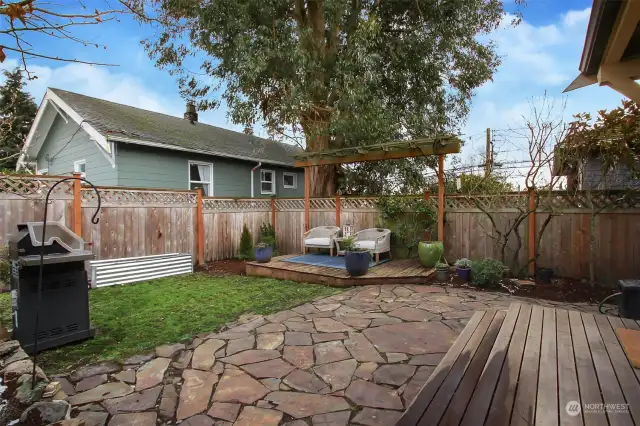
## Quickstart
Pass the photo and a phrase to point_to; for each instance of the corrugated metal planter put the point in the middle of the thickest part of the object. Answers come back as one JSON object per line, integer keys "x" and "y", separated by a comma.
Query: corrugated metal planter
{"x": 134, "y": 269}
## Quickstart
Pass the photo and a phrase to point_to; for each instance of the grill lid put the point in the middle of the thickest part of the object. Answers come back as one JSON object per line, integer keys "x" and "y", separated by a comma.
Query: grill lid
{"x": 59, "y": 240}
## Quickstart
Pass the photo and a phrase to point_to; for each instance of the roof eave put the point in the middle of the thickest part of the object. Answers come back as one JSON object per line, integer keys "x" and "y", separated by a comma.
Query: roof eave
{"x": 122, "y": 139}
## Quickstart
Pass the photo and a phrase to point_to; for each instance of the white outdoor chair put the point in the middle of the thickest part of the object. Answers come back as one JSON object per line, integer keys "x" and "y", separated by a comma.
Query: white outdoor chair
{"x": 320, "y": 237}
{"x": 376, "y": 240}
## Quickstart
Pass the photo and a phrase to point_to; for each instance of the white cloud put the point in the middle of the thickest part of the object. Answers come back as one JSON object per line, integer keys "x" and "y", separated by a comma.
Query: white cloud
{"x": 535, "y": 60}
{"x": 115, "y": 86}
{"x": 577, "y": 17}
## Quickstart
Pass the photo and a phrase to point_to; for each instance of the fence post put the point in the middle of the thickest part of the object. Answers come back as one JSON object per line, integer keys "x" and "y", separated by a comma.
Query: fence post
{"x": 441, "y": 198}
{"x": 77, "y": 205}
{"x": 531, "y": 232}
{"x": 273, "y": 213}
{"x": 200, "y": 226}
{"x": 338, "y": 208}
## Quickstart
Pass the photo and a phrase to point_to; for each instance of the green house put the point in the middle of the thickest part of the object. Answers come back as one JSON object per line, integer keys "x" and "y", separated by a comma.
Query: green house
{"x": 118, "y": 145}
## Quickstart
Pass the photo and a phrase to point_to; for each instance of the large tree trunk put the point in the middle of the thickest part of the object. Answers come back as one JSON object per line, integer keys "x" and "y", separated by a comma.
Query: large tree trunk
{"x": 324, "y": 181}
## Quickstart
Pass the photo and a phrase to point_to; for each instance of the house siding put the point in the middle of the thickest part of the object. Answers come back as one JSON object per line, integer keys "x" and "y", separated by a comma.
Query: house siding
{"x": 65, "y": 143}
{"x": 620, "y": 178}
{"x": 147, "y": 167}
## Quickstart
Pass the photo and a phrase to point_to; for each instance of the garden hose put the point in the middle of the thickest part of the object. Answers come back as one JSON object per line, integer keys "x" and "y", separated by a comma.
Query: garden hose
{"x": 605, "y": 299}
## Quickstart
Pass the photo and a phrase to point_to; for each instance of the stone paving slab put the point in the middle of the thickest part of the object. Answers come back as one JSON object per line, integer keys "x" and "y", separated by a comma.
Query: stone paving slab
{"x": 355, "y": 358}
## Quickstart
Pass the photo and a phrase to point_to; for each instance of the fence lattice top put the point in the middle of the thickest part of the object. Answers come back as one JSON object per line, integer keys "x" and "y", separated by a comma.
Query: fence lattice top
{"x": 128, "y": 197}
{"x": 222, "y": 204}
{"x": 34, "y": 187}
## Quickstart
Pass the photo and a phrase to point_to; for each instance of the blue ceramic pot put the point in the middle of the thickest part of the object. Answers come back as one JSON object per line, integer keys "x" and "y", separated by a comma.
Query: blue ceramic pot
{"x": 464, "y": 273}
{"x": 263, "y": 254}
{"x": 357, "y": 262}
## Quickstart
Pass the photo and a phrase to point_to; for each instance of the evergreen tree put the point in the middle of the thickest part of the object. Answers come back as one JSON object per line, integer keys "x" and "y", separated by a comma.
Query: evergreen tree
{"x": 17, "y": 112}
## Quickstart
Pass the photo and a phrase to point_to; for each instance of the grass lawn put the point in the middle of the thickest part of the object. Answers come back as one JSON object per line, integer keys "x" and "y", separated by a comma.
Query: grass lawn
{"x": 135, "y": 318}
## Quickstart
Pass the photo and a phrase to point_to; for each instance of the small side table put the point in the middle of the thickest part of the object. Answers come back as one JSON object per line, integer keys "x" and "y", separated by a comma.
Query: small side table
{"x": 337, "y": 242}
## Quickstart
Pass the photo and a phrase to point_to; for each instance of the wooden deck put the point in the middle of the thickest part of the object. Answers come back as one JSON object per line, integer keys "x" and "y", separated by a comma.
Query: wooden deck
{"x": 527, "y": 366}
{"x": 398, "y": 271}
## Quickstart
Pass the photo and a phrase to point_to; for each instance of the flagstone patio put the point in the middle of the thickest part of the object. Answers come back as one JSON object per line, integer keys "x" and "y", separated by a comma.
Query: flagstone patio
{"x": 356, "y": 358}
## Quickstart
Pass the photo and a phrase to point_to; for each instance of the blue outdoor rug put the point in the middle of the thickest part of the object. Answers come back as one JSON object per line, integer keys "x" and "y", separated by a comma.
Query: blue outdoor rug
{"x": 317, "y": 259}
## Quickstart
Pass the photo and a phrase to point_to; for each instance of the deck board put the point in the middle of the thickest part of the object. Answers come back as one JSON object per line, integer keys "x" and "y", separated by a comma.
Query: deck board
{"x": 396, "y": 271}
{"x": 532, "y": 365}
{"x": 567, "y": 377}
{"x": 502, "y": 403}
{"x": 481, "y": 399}
{"x": 547, "y": 400}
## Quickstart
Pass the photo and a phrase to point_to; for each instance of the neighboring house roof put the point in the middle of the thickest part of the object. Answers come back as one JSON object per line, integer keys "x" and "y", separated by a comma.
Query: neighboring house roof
{"x": 123, "y": 123}
{"x": 611, "y": 53}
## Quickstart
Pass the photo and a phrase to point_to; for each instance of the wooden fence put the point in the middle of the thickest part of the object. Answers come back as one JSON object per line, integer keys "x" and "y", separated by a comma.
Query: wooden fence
{"x": 138, "y": 222}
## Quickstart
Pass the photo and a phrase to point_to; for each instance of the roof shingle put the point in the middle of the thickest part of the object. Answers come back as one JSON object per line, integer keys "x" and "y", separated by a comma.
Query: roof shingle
{"x": 112, "y": 119}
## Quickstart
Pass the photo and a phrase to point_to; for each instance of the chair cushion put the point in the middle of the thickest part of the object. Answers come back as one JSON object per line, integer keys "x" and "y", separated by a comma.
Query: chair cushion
{"x": 366, "y": 244}
{"x": 318, "y": 241}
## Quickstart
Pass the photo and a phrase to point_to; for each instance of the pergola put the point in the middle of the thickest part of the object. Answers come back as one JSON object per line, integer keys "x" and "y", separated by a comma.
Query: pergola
{"x": 439, "y": 146}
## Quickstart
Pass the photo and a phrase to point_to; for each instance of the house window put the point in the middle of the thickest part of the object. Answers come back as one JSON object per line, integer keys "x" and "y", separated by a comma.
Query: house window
{"x": 267, "y": 182}
{"x": 290, "y": 180}
{"x": 201, "y": 176}
{"x": 80, "y": 166}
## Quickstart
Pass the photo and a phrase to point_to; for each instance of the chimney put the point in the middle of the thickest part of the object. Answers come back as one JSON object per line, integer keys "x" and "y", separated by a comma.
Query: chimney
{"x": 191, "y": 114}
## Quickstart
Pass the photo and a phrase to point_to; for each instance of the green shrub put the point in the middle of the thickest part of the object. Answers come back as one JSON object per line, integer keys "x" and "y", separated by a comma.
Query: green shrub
{"x": 246, "y": 244}
{"x": 268, "y": 235}
{"x": 5, "y": 268}
{"x": 487, "y": 272}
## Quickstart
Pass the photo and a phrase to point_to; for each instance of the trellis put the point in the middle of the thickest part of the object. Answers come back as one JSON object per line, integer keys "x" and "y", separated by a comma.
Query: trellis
{"x": 231, "y": 204}
{"x": 136, "y": 197}
{"x": 34, "y": 186}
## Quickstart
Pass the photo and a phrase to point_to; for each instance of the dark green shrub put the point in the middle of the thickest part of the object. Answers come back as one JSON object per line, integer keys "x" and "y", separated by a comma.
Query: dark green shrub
{"x": 246, "y": 244}
{"x": 268, "y": 235}
{"x": 5, "y": 269}
{"x": 487, "y": 272}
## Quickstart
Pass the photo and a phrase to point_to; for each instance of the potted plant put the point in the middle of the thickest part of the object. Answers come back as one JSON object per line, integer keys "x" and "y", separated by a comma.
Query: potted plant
{"x": 442, "y": 271}
{"x": 463, "y": 268}
{"x": 430, "y": 252}
{"x": 544, "y": 274}
{"x": 264, "y": 250}
{"x": 356, "y": 259}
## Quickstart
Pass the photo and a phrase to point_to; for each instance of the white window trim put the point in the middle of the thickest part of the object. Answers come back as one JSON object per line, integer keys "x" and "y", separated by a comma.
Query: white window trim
{"x": 200, "y": 163}
{"x": 273, "y": 182}
{"x": 76, "y": 168}
{"x": 42, "y": 171}
{"x": 295, "y": 180}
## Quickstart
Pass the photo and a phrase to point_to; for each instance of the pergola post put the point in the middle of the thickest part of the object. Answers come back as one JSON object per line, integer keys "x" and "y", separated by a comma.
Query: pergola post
{"x": 307, "y": 199}
{"x": 441, "y": 197}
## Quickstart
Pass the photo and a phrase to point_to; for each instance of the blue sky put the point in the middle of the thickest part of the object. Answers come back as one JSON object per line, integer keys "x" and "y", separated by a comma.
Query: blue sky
{"x": 540, "y": 55}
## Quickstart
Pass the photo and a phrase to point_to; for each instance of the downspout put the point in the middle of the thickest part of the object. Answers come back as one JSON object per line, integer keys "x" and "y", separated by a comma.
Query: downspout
{"x": 253, "y": 170}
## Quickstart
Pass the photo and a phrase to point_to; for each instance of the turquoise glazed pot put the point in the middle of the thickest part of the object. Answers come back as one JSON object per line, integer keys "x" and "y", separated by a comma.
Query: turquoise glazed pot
{"x": 430, "y": 252}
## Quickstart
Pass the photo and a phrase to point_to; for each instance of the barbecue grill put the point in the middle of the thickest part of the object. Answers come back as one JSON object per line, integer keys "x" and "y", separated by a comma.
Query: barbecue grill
{"x": 629, "y": 299}
{"x": 64, "y": 307}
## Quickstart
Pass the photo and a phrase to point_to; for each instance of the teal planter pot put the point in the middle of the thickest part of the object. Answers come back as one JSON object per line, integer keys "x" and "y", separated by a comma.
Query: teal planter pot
{"x": 430, "y": 252}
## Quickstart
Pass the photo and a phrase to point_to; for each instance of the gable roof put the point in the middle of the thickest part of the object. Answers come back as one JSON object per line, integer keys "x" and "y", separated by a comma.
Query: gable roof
{"x": 118, "y": 122}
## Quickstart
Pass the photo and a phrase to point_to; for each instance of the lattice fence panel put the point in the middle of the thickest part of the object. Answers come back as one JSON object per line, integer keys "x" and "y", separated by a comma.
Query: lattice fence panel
{"x": 479, "y": 202}
{"x": 596, "y": 201}
{"x": 323, "y": 203}
{"x": 359, "y": 203}
{"x": 242, "y": 205}
{"x": 34, "y": 187}
{"x": 289, "y": 204}
{"x": 137, "y": 198}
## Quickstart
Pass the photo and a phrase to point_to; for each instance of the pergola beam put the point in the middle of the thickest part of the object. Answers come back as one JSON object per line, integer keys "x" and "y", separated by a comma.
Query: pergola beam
{"x": 417, "y": 148}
